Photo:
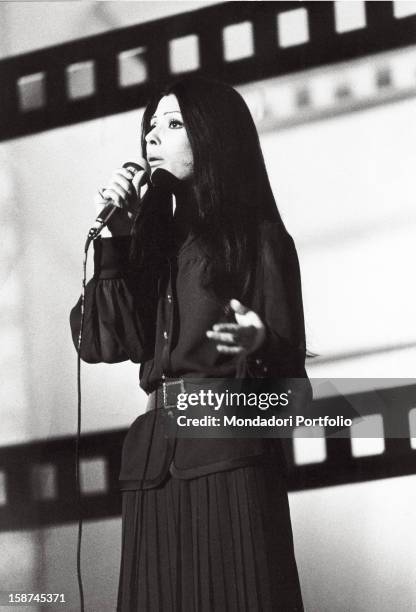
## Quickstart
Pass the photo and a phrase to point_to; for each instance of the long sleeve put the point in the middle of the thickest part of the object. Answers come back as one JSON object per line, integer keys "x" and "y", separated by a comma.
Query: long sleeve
{"x": 119, "y": 312}
{"x": 278, "y": 301}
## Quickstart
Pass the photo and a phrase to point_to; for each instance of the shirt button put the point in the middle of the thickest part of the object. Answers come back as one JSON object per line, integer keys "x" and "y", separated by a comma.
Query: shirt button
{"x": 169, "y": 298}
{"x": 165, "y": 335}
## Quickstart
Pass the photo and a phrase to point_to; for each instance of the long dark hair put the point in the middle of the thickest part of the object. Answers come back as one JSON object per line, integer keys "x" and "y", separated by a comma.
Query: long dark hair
{"x": 230, "y": 183}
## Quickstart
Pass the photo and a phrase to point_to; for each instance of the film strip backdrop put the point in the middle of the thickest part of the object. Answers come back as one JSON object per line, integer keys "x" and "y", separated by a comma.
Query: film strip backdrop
{"x": 239, "y": 42}
{"x": 269, "y": 50}
{"x": 37, "y": 480}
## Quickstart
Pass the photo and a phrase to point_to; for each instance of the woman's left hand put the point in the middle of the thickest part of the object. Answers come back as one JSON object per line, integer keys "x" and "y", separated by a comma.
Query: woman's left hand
{"x": 246, "y": 335}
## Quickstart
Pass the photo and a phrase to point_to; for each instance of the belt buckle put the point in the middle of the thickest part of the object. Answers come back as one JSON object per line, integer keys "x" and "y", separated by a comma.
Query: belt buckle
{"x": 170, "y": 383}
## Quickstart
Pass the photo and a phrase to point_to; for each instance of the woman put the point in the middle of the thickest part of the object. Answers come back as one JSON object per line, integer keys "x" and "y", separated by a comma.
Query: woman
{"x": 212, "y": 291}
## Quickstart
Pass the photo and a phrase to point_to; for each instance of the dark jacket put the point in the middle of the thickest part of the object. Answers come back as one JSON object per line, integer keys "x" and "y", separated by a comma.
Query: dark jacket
{"x": 163, "y": 329}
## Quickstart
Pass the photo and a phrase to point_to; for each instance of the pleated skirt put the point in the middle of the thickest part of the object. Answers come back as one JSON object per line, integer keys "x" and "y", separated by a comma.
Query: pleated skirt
{"x": 217, "y": 543}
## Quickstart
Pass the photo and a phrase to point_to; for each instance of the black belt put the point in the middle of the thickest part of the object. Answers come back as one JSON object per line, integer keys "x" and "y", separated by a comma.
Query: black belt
{"x": 166, "y": 395}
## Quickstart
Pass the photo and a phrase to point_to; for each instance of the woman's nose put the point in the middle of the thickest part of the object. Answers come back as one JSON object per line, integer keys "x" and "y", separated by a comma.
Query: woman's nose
{"x": 153, "y": 137}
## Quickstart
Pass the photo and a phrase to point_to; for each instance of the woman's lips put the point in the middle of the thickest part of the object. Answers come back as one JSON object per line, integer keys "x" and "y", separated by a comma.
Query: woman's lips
{"x": 155, "y": 161}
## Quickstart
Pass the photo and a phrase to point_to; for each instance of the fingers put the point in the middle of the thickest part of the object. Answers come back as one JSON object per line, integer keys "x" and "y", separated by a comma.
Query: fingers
{"x": 231, "y": 350}
{"x": 124, "y": 180}
{"x": 116, "y": 197}
{"x": 141, "y": 171}
{"x": 236, "y": 340}
{"x": 140, "y": 163}
{"x": 121, "y": 189}
{"x": 238, "y": 307}
{"x": 231, "y": 347}
{"x": 121, "y": 186}
{"x": 232, "y": 327}
{"x": 222, "y": 336}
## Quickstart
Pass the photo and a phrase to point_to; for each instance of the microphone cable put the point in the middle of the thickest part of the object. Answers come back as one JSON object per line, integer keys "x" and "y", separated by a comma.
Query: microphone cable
{"x": 78, "y": 438}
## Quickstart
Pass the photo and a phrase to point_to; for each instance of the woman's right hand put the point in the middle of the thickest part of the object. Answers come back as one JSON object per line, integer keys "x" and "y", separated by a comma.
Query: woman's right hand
{"x": 125, "y": 190}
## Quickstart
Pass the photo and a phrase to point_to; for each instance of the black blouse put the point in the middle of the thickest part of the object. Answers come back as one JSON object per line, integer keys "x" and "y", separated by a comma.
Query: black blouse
{"x": 164, "y": 331}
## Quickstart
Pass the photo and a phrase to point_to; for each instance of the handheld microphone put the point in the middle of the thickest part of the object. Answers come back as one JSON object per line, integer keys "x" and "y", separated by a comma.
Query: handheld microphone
{"x": 108, "y": 210}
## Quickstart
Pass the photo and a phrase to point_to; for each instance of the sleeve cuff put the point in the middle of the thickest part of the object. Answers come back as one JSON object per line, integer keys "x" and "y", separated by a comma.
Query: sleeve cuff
{"x": 111, "y": 257}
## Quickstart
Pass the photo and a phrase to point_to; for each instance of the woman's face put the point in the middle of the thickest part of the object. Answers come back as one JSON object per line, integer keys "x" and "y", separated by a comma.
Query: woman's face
{"x": 167, "y": 143}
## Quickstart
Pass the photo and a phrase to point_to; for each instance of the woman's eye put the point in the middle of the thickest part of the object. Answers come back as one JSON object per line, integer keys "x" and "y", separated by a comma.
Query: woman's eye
{"x": 175, "y": 123}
